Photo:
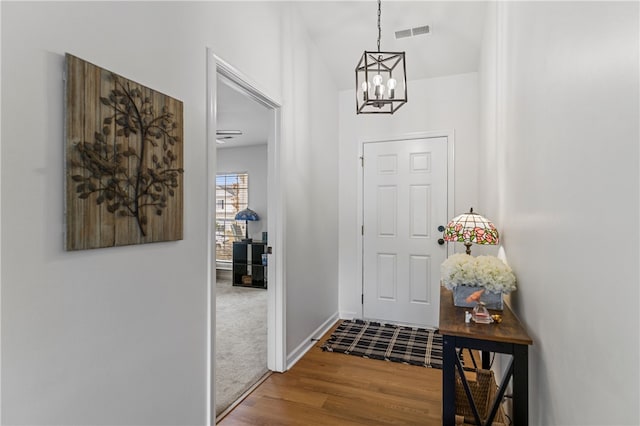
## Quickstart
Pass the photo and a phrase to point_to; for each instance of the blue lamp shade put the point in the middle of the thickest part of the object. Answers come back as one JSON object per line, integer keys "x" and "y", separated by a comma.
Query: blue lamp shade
{"x": 247, "y": 215}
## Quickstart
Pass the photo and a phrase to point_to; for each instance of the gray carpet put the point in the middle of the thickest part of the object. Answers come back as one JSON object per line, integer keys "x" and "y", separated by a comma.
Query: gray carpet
{"x": 241, "y": 340}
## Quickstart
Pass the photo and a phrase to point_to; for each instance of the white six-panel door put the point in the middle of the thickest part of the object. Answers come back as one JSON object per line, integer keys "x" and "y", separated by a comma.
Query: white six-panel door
{"x": 404, "y": 202}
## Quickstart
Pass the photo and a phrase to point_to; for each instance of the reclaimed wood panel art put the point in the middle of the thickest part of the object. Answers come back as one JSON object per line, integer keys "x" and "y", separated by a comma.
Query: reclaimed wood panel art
{"x": 124, "y": 159}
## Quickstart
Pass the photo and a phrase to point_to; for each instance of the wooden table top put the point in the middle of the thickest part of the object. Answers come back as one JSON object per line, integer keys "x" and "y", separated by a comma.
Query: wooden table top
{"x": 510, "y": 330}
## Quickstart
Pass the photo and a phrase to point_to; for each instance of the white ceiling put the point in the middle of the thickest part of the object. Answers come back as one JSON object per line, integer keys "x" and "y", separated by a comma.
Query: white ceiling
{"x": 236, "y": 111}
{"x": 342, "y": 30}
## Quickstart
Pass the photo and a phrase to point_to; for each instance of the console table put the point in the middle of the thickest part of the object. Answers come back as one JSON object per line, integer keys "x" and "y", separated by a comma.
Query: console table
{"x": 508, "y": 337}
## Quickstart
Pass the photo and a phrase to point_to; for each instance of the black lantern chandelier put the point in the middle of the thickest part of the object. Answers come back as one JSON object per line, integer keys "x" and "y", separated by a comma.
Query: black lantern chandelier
{"x": 381, "y": 80}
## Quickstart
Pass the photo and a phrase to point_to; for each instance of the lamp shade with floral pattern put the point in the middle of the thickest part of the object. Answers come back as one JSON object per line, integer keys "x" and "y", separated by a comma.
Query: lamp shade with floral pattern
{"x": 471, "y": 228}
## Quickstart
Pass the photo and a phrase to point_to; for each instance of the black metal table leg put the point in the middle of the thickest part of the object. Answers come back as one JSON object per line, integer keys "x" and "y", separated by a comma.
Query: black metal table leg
{"x": 448, "y": 380}
{"x": 520, "y": 385}
{"x": 486, "y": 360}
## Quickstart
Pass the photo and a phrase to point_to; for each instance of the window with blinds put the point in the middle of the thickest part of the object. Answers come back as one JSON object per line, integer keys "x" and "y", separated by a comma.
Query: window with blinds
{"x": 232, "y": 195}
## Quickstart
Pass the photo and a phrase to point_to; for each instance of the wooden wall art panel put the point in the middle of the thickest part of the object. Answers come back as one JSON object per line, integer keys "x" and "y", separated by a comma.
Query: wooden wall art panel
{"x": 124, "y": 159}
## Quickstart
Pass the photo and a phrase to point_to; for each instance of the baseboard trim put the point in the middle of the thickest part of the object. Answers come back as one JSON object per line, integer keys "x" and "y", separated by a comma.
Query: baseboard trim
{"x": 348, "y": 315}
{"x": 310, "y": 341}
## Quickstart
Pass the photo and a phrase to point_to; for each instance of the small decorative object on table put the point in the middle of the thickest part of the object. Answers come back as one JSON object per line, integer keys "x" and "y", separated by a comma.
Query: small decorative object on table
{"x": 466, "y": 275}
{"x": 480, "y": 314}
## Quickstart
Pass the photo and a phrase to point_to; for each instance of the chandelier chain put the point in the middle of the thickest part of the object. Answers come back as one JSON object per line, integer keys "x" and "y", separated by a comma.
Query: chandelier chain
{"x": 379, "y": 27}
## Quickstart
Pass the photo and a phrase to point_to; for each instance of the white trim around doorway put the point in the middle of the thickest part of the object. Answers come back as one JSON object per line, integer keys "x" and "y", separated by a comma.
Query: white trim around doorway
{"x": 276, "y": 324}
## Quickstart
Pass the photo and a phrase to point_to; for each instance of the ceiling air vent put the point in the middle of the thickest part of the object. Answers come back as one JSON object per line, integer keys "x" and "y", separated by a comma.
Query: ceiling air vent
{"x": 403, "y": 34}
{"x": 224, "y": 136}
{"x": 412, "y": 32}
{"x": 420, "y": 30}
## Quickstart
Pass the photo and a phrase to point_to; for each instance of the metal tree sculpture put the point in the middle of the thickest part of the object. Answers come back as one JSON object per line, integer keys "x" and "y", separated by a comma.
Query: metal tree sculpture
{"x": 129, "y": 189}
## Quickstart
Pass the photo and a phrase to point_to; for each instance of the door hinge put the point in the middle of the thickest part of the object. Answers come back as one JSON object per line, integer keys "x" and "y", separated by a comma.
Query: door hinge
{"x": 361, "y": 161}
{"x": 362, "y": 299}
{"x": 362, "y": 230}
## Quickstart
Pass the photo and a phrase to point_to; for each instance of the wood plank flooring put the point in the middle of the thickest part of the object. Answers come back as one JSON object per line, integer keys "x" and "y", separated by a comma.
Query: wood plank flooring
{"x": 326, "y": 388}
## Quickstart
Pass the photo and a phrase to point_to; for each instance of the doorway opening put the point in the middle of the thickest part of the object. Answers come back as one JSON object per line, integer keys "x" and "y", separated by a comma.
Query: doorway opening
{"x": 220, "y": 71}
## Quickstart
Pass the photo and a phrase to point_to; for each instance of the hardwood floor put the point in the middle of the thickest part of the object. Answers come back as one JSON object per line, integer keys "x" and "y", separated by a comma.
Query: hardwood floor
{"x": 326, "y": 388}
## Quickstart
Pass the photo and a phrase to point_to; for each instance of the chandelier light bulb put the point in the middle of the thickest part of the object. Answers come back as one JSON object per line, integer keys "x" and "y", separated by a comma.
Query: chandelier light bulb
{"x": 365, "y": 88}
{"x": 378, "y": 86}
{"x": 379, "y": 91}
{"x": 392, "y": 87}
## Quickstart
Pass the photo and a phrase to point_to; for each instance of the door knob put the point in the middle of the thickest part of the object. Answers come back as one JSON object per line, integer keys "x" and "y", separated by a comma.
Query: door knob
{"x": 440, "y": 241}
{"x": 441, "y": 228}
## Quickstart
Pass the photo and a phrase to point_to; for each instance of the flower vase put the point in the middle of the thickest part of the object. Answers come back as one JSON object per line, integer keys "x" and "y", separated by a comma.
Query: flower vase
{"x": 490, "y": 299}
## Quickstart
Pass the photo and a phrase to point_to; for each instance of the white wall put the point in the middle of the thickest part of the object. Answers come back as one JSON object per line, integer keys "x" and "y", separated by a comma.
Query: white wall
{"x": 119, "y": 335}
{"x": 108, "y": 336}
{"x": 560, "y": 108}
{"x": 310, "y": 177}
{"x": 439, "y": 104}
{"x": 252, "y": 160}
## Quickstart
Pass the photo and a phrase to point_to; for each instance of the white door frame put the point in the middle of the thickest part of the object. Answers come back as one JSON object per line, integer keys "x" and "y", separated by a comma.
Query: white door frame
{"x": 276, "y": 332}
{"x": 450, "y": 188}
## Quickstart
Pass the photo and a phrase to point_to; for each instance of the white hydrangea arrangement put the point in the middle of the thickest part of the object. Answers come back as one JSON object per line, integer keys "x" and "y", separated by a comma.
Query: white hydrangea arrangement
{"x": 488, "y": 272}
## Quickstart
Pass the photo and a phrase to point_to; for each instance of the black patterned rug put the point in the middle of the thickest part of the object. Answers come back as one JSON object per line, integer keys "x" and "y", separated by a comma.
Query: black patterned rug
{"x": 415, "y": 346}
